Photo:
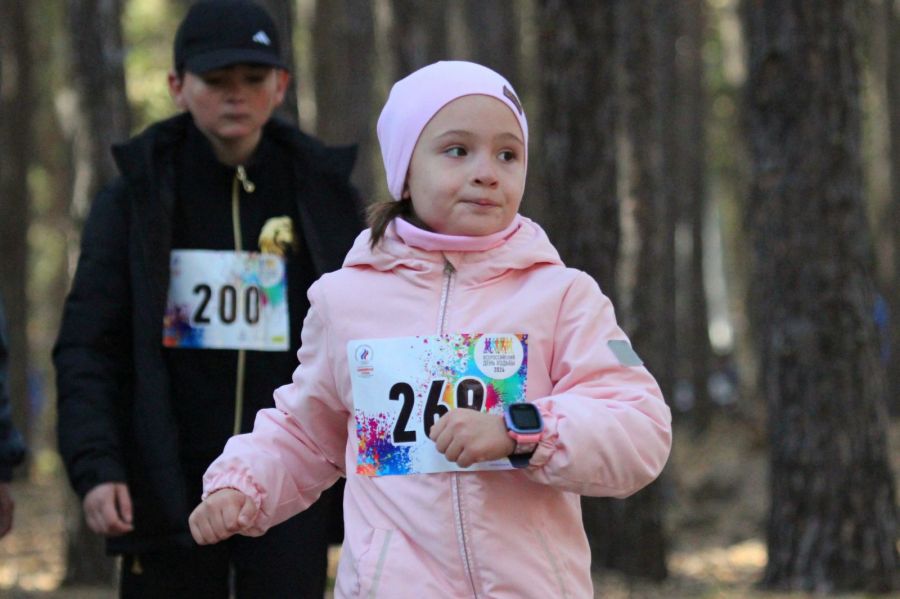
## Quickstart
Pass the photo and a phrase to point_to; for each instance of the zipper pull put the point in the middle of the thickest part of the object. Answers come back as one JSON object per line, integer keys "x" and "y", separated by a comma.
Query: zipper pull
{"x": 449, "y": 269}
{"x": 246, "y": 183}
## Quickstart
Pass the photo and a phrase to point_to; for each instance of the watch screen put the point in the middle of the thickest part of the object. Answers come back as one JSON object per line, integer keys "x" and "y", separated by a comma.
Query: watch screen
{"x": 524, "y": 416}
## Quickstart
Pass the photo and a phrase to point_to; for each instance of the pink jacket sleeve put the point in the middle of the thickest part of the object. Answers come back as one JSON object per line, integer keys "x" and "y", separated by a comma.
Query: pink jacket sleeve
{"x": 296, "y": 449}
{"x": 607, "y": 429}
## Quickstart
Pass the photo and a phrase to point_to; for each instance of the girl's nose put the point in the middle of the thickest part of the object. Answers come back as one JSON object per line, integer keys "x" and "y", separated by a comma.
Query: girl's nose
{"x": 485, "y": 173}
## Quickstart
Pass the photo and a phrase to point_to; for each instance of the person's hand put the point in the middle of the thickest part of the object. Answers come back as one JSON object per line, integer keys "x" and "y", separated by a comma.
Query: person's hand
{"x": 221, "y": 515}
{"x": 7, "y": 506}
{"x": 107, "y": 509}
{"x": 467, "y": 437}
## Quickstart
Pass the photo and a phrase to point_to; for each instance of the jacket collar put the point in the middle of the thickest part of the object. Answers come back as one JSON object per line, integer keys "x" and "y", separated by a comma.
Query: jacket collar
{"x": 529, "y": 246}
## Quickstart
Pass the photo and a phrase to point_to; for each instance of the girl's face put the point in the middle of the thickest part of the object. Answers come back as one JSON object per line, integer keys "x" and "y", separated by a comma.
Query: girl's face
{"x": 467, "y": 171}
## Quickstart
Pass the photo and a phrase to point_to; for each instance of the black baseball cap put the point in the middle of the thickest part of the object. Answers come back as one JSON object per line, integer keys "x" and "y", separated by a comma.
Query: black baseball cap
{"x": 220, "y": 33}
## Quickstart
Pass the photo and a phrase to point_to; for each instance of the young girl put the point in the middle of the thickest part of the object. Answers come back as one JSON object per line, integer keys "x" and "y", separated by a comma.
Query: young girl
{"x": 468, "y": 385}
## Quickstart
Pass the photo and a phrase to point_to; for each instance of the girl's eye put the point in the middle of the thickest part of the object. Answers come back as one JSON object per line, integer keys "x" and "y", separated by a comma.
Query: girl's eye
{"x": 507, "y": 155}
{"x": 455, "y": 152}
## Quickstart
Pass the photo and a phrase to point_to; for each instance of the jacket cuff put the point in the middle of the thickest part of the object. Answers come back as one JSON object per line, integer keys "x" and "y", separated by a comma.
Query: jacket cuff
{"x": 103, "y": 471}
{"x": 239, "y": 480}
{"x": 547, "y": 446}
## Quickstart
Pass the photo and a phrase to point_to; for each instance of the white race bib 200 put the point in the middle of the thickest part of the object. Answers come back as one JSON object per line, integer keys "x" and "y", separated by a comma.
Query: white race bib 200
{"x": 226, "y": 300}
{"x": 402, "y": 386}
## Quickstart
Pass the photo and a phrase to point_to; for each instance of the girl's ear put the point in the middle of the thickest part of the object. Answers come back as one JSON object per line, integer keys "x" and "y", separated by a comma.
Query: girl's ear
{"x": 405, "y": 195}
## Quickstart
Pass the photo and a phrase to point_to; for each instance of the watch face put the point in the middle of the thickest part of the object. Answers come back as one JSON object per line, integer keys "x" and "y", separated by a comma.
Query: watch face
{"x": 525, "y": 417}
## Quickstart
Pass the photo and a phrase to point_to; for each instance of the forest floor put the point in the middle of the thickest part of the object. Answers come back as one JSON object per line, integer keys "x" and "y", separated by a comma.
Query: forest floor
{"x": 715, "y": 519}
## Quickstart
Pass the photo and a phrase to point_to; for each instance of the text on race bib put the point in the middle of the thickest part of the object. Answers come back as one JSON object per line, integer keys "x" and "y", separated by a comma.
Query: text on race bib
{"x": 402, "y": 386}
{"x": 226, "y": 300}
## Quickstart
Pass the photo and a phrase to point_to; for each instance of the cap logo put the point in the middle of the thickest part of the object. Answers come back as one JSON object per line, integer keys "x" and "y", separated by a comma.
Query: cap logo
{"x": 512, "y": 98}
{"x": 261, "y": 38}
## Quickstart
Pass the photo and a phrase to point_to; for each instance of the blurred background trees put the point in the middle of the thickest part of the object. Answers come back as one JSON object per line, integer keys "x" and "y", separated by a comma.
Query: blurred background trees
{"x": 728, "y": 170}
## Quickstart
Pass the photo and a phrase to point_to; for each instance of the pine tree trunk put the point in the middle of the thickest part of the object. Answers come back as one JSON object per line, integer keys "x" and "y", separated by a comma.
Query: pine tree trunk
{"x": 692, "y": 195}
{"x": 833, "y": 518}
{"x": 419, "y": 35}
{"x": 344, "y": 50}
{"x": 101, "y": 118}
{"x": 16, "y": 112}
{"x": 577, "y": 156}
{"x": 892, "y": 19}
{"x": 577, "y": 151}
{"x": 493, "y": 37}
{"x": 637, "y": 543}
{"x": 284, "y": 14}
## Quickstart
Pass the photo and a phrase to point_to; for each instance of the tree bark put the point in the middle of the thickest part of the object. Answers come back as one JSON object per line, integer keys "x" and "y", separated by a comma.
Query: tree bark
{"x": 101, "y": 117}
{"x": 493, "y": 37}
{"x": 419, "y": 34}
{"x": 578, "y": 158}
{"x": 692, "y": 195}
{"x": 833, "y": 520}
{"x": 892, "y": 23}
{"x": 344, "y": 50}
{"x": 102, "y": 113}
{"x": 577, "y": 151}
{"x": 284, "y": 14}
{"x": 638, "y": 545}
{"x": 16, "y": 116}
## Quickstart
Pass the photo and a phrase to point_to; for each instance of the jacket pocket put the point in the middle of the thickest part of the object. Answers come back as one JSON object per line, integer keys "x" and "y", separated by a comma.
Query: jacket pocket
{"x": 371, "y": 563}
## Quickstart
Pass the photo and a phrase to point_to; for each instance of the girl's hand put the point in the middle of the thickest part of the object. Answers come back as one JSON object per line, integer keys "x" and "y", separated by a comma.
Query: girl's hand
{"x": 221, "y": 515}
{"x": 467, "y": 437}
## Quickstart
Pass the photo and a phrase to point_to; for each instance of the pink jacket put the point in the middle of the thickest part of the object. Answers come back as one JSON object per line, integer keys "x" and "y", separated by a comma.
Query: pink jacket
{"x": 504, "y": 534}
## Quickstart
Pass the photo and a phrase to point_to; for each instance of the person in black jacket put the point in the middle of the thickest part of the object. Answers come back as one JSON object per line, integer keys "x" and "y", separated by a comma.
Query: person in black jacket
{"x": 12, "y": 449}
{"x": 186, "y": 308}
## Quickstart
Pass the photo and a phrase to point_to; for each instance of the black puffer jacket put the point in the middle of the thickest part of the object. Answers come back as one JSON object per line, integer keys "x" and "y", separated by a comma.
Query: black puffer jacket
{"x": 12, "y": 449}
{"x": 116, "y": 421}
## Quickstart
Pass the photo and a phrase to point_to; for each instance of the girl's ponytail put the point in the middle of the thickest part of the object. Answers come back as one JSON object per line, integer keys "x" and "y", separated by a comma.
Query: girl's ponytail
{"x": 380, "y": 213}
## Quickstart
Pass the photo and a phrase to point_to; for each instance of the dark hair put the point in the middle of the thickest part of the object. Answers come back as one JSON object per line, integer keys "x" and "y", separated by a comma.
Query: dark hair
{"x": 380, "y": 213}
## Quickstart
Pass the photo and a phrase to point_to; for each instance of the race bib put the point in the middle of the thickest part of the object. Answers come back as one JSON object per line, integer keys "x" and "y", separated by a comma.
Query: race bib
{"x": 402, "y": 386}
{"x": 226, "y": 300}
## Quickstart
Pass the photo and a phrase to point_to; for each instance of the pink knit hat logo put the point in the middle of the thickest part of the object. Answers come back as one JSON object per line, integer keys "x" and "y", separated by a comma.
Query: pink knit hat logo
{"x": 415, "y": 99}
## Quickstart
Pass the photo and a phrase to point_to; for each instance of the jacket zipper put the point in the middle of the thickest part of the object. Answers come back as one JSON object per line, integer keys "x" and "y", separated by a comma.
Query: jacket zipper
{"x": 240, "y": 181}
{"x": 449, "y": 272}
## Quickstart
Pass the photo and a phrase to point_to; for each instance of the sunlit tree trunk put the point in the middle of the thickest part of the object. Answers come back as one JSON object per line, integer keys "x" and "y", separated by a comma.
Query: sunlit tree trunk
{"x": 344, "y": 51}
{"x": 833, "y": 517}
{"x": 100, "y": 117}
{"x": 16, "y": 116}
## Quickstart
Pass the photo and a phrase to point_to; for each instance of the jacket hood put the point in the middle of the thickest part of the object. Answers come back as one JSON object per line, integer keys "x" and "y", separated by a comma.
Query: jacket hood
{"x": 529, "y": 246}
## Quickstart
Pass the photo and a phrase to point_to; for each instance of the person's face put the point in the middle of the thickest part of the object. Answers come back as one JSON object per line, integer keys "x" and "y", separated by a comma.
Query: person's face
{"x": 230, "y": 105}
{"x": 467, "y": 171}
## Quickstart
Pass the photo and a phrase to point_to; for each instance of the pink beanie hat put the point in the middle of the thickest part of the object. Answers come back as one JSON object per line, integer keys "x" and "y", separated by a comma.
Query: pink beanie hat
{"x": 415, "y": 99}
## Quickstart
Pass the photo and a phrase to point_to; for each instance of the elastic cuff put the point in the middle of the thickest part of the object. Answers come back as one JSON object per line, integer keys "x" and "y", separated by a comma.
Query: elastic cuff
{"x": 239, "y": 481}
{"x": 548, "y": 444}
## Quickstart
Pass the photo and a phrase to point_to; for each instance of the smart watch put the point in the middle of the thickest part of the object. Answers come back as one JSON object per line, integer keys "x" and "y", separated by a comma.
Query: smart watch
{"x": 525, "y": 426}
